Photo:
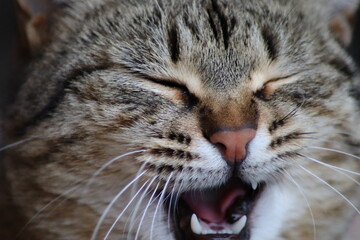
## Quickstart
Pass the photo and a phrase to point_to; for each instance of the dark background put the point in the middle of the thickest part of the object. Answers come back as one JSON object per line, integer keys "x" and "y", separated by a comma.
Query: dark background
{"x": 7, "y": 50}
{"x": 7, "y": 88}
{"x": 9, "y": 72}
{"x": 7, "y": 83}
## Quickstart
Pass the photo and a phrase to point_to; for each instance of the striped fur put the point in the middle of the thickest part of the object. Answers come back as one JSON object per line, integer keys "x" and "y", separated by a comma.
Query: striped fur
{"x": 157, "y": 78}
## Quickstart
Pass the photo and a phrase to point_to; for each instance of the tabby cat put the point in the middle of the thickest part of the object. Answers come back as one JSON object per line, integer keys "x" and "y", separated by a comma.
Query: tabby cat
{"x": 186, "y": 120}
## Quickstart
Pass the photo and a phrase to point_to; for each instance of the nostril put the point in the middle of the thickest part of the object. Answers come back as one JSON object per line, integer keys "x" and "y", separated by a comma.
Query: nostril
{"x": 221, "y": 147}
{"x": 233, "y": 144}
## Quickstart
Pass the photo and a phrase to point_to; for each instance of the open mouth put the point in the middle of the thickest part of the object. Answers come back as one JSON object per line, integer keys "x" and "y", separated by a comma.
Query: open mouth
{"x": 216, "y": 213}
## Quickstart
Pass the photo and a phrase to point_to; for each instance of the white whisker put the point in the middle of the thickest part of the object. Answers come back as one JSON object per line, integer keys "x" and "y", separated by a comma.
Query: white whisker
{"x": 158, "y": 205}
{"x": 91, "y": 179}
{"x": 137, "y": 206}
{"x": 337, "y": 151}
{"x": 171, "y": 203}
{"x": 306, "y": 199}
{"x": 141, "y": 169}
{"x": 329, "y": 165}
{"x": 17, "y": 143}
{"x": 107, "y": 209}
{"x": 337, "y": 169}
{"x": 126, "y": 207}
{"x": 334, "y": 189}
{"x": 145, "y": 210}
{"x": 45, "y": 207}
{"x": 178, "y": 196}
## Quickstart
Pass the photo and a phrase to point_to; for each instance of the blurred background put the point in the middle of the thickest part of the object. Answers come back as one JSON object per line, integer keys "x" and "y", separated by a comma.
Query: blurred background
{"x": 9, "y": 72}
{"x": 7, "y": 50}
{"x": 7, "y": 89}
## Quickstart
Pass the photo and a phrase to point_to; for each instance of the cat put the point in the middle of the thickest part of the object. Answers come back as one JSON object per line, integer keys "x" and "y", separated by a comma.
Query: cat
{"x": 190, "y": 119}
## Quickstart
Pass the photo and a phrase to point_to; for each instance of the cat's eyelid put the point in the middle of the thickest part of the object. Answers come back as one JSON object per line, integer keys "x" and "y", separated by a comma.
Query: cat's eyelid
{"x": 270, "y": 86}
{"x": 283, "y": 79}
{"x": 167, "y": 83}
{"x": 185, "y": 94}
{"x": 267, "y": 77}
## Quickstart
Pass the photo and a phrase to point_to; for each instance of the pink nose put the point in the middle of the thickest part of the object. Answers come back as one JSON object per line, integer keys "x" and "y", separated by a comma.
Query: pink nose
{"x": 232, "y": 144}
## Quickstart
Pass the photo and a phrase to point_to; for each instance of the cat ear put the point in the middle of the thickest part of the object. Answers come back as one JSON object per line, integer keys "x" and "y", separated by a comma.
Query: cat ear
{"x": 35, "y": 18}
{"x": 342, "y": 19}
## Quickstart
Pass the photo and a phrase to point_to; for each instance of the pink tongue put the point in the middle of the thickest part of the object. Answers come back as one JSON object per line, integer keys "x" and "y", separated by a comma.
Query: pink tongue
{"x": 211, "y": 206}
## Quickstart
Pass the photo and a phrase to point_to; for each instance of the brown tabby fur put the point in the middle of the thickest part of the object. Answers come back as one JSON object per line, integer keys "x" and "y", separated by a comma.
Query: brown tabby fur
{"x": 161, "y": 77}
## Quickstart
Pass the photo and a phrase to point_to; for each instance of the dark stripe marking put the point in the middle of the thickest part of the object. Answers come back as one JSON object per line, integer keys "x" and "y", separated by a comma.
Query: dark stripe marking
{"x": 284, "y": 139}
{"x": 173, "y": 43}
{"x": 340, "y": 65}
{"x": 168, "y": 152}
{"x": 223, "y": 22}
{"x": 270, "y": 41}
{"x": 212, "y": 25}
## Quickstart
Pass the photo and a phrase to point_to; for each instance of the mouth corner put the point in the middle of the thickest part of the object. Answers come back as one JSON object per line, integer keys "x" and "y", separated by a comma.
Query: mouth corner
{"x": 222, "y": 212}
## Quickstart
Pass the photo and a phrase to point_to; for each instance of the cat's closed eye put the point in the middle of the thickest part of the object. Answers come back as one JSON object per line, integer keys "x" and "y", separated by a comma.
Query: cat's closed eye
{"x": 270, "y": 86}
{"x": 178, "y": 92}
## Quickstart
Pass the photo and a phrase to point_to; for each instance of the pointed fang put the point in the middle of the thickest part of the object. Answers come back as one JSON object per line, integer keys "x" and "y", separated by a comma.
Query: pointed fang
{"x": 239, "y": 225}
{"x": 195, "y": 224}
{"x": 254, "y": 185}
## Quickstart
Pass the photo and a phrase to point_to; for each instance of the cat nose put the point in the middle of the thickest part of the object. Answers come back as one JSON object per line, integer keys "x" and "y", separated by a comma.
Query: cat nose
{"x": 232, "y": 144}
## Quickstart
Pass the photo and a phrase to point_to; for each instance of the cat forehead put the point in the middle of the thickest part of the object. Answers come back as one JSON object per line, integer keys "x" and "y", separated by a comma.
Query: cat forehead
{"x": 213, "y": 43}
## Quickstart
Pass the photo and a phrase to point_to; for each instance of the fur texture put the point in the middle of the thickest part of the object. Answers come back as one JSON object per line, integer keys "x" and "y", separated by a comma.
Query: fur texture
{"x": 153, "y": 80}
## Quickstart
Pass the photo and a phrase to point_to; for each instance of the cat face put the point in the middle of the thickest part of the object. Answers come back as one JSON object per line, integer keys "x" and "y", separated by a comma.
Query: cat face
{"x": 188, "y": 120}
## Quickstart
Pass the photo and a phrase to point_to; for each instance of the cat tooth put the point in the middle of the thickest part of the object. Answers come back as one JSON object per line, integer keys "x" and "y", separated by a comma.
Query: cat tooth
{"x": 239, "y": 225}
{"x": 195, "y": 224}
{"x": 254, "y": 185}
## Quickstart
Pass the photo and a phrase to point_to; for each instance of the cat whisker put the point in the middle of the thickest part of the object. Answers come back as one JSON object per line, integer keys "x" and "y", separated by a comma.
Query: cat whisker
{"x": 104, "y": 166}
{"x": 294, "y": 111}
{"x": 331, "y": 187}
{"x": 145, "y": 211}
{"x": 171, "y": 203}
{"x": 17, "y": 143}
{"x": 159, "y": 202}
{"x": 178, "y": 195}
{"x": 175, "y": 194}
{"x": 110, "y": 205}
{"x": 137, "y": 207}
{"x": 351, "y": 139}
{"x": 301, "y": 190}
{"x": 336, "y": 151}
{"x": 46, "y": 207}
{"x": 127, "y": 206}
{"x": 62, "y": 194}
{"x": 151, "y": 201}
{"x": 340, "y": 171}
{"x": 329, "y": 165}
{"x": 141, "y": 169}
